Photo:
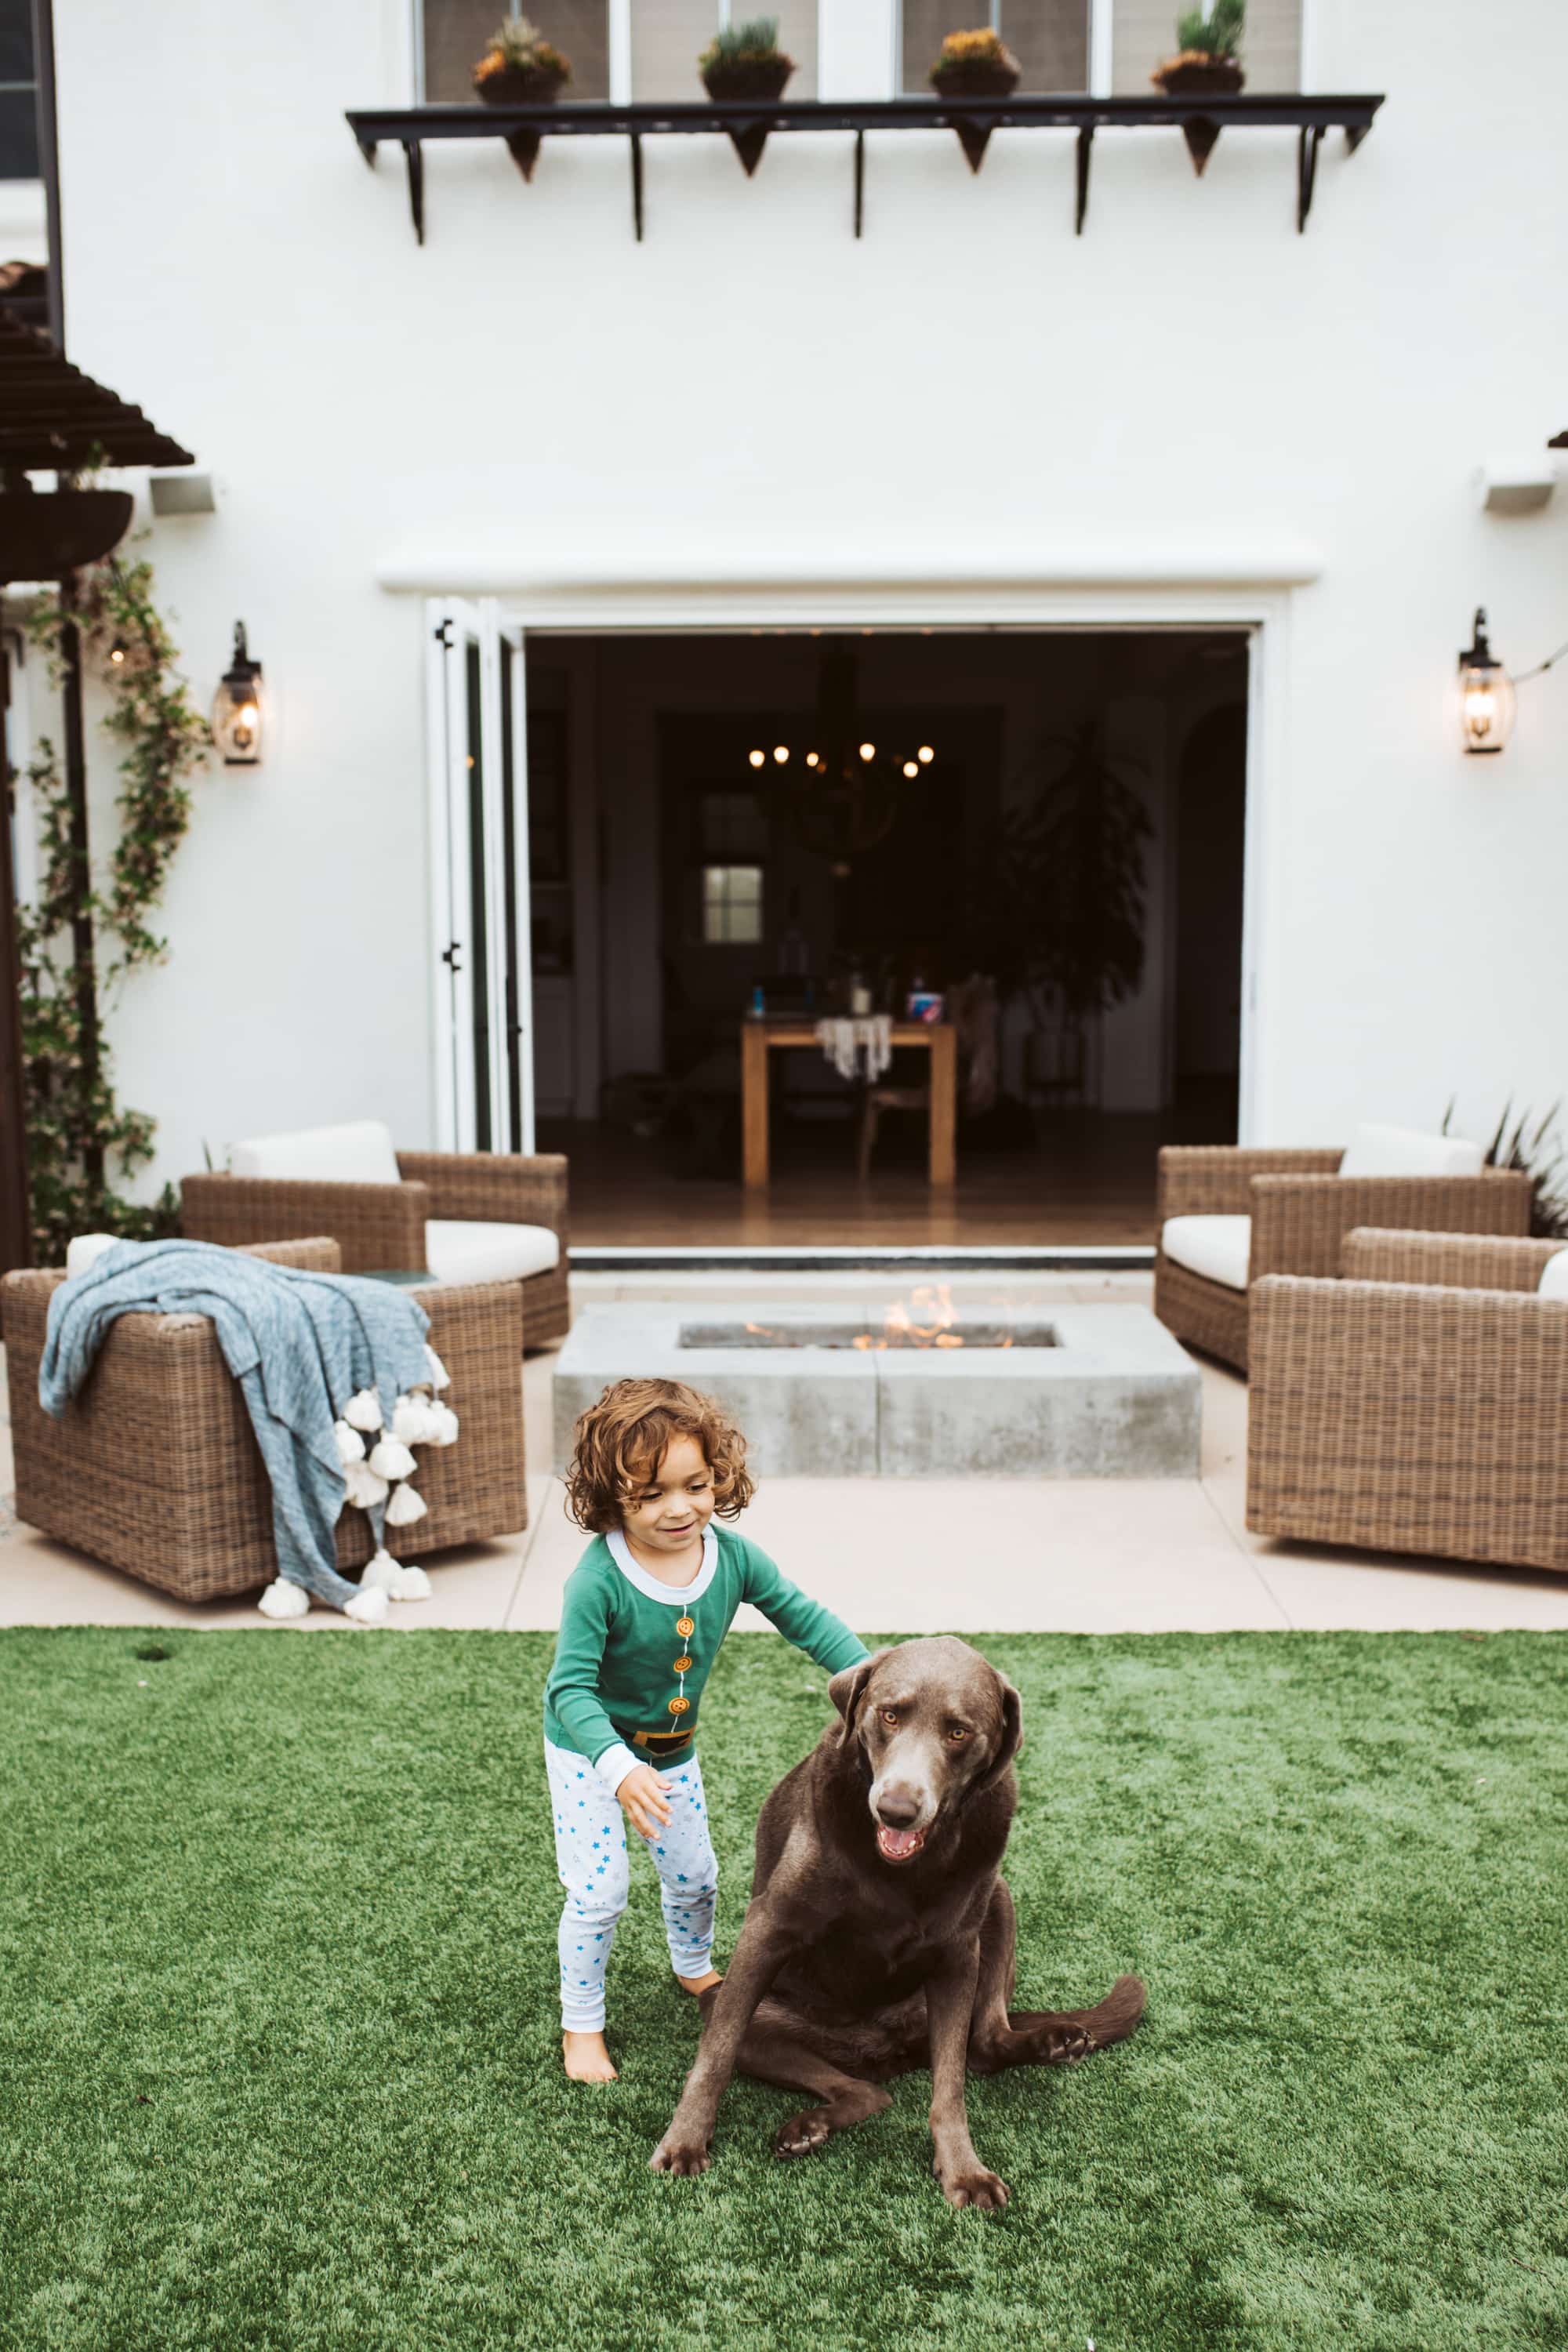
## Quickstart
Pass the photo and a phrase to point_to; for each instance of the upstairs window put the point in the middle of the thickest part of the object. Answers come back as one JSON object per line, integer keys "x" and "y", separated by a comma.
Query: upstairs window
{"x": 665, "y": 38}
{"x": 1143, "y": 33}
{"x": 18, "y": 92}
{"x": 669, "y": 36}
{"x": 1049, "y": 37}
{"x": 455, "y": 34}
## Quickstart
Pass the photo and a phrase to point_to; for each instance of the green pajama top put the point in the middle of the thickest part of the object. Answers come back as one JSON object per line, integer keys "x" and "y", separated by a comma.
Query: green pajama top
{"x": 615, "y": 1666}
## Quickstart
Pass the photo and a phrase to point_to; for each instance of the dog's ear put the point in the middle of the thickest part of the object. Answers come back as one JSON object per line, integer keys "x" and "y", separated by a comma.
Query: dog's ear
{"x": 848, "y": 1686}
{"x": 1009, "y": 1741}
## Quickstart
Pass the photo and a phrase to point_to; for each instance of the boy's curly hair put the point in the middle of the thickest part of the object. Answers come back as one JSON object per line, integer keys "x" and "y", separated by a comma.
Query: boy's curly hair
{"x": 620, "y": 1442}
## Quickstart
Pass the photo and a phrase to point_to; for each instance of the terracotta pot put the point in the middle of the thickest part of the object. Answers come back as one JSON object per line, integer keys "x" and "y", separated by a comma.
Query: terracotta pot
{"x": 1198, "y": 77}
{"x": 765, "y": 78}
{"x": 521, "y": 86}
{"x": 1193, "y": 77}
{"x": 973, "y": 82}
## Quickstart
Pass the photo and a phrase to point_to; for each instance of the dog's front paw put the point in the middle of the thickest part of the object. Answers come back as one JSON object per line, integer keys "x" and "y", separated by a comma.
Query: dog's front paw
{"x": 976, "y": 2188}
{"x": 676, "y": 2154}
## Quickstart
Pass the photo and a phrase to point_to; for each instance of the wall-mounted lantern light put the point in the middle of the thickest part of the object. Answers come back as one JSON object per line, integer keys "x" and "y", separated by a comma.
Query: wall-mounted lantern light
{"x": 1485, "y": 694}
{"x": 236, "y": 708}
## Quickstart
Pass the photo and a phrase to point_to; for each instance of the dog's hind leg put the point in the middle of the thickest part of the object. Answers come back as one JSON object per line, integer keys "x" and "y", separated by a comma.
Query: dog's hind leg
{"x": 777, "y": 2049}
{"x": 1060, "y": 2037}
{"x": 1037, "y": 2037}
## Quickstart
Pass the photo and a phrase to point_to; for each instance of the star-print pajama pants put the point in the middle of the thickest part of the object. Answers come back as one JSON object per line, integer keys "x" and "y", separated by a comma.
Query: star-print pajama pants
{"x": 591, "y": 1856}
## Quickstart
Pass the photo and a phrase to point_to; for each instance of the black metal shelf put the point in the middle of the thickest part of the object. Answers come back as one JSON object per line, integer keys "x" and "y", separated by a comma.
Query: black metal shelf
{"x": 1310, "y": 117}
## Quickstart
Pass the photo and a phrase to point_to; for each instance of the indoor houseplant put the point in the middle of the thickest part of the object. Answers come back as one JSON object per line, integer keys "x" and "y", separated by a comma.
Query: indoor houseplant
{"x": 745, "y": 61}
{"x": 974, "y": 64}
{"x": 1207, "y": 64}
{"x": 521, "y": 68}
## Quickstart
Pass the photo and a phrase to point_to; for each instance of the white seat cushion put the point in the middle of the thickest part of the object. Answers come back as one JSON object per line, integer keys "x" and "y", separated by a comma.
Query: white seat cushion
{"x": 1553, "y": 1283}
{"x": 1216, "y": 1248}
{"x": 85, "y": 1249}
{"x": 1404, "y": 1152}
{"x": 358, "y": 1154}
{"x": 470, "y": 1251}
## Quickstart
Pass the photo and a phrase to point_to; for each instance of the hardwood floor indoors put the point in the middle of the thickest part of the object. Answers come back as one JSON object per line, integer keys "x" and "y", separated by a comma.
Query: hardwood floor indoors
{"x": 1089, "y": 1177}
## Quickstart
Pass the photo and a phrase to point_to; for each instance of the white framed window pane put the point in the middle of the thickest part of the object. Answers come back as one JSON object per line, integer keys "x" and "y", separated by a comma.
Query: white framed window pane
{"x": 925, "y": 23}
{"x": 731, "y": 905}
{"x": 1050, "y": 40}
{"x": 797, "y": 38}
{"x": 1143, "y": 34}
{"x": 456, "y": 33}
{"x": 1049, "y": 37}
{"x": 669, "y": 36}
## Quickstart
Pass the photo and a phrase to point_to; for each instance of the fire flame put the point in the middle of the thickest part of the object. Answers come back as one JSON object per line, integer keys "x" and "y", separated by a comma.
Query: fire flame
{"x": 925, "y": 1322}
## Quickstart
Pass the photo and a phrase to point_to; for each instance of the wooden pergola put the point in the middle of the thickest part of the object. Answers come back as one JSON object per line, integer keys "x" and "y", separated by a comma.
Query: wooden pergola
{"x": 53, "y": 418}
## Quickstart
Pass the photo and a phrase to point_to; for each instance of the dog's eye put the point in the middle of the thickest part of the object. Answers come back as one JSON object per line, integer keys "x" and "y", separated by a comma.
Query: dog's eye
{"x": 957, "y": 1734}
{"x": 889, "y": 1714}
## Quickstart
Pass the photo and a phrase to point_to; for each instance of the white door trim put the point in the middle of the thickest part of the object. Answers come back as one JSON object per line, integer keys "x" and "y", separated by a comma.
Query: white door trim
{"x": 1200, "y": 595}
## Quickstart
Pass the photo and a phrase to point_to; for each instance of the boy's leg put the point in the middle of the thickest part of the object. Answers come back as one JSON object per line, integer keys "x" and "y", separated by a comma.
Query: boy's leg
{"x": 687, "y": 1873}
{"x": 591, "y": 1856}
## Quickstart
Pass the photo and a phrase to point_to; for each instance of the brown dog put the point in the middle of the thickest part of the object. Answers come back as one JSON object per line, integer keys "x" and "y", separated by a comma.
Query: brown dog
{"x": 880, "y": 1934}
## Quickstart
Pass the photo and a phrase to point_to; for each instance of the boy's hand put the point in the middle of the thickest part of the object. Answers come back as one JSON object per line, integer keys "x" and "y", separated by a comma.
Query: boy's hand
{"x": 642, "y": 1794}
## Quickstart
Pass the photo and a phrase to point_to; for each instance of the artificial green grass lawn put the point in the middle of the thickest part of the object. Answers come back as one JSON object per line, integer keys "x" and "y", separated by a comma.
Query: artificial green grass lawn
{"x": 278, "y": 2046}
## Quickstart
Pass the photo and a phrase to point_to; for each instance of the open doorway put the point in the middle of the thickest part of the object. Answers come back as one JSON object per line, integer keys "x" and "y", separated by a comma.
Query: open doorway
{"x": 1060, "y": 814}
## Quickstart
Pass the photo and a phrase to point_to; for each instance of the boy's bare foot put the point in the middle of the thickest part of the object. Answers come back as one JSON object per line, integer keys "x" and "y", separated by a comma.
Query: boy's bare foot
{"x": 700, "y": 1984}
{"x": 587, "y": 2059}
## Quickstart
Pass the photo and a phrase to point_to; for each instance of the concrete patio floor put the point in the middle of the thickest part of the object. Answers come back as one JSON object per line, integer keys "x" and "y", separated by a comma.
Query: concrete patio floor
{"x": 963, "y": 1555}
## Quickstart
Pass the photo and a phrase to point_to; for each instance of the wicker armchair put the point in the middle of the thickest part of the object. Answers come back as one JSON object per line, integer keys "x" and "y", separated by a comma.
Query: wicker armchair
{"x": 1301, "y": 1208}
{"x": 1416, "y": 1405}
{"x": 155, "y": 1469}
{"x": 382, "y": 1226}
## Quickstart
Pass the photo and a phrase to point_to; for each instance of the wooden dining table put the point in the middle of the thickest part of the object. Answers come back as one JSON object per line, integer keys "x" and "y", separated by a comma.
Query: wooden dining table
{"x": 761, "y": 1038}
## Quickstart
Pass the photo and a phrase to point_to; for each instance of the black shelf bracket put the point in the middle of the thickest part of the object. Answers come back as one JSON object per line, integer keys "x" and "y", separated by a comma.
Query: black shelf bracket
{"x": 414, "y": 154}
{"x": 1310, "y": 140}
{"x": 1309, "y": 115}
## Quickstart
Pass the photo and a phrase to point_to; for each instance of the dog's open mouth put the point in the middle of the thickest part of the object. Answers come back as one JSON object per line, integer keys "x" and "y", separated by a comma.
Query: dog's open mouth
{"x": 897, "y": 1845}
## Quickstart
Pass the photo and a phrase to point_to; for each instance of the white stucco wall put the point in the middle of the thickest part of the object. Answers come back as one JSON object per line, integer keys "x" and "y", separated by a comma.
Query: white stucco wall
{"x": 751, "y": 392}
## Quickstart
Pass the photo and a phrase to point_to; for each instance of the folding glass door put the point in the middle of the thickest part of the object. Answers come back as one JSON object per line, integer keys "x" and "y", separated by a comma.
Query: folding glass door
{"x": 479, "y": 879}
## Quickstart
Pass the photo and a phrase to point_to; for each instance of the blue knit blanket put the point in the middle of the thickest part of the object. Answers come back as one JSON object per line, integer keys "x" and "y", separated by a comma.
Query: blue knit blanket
{"x": 299, "y": 1344}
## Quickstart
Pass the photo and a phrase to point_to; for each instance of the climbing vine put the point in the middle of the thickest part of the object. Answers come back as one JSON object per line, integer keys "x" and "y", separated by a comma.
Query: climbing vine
{"x": 82, "y": 1143}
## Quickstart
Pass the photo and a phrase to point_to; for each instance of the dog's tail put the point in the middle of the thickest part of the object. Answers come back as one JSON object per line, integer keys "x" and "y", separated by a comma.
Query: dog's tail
{"x": 1060, "y": 2037}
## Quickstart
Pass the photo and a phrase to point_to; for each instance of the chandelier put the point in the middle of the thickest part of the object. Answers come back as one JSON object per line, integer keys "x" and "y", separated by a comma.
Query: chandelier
{"x": 844, "y": 792}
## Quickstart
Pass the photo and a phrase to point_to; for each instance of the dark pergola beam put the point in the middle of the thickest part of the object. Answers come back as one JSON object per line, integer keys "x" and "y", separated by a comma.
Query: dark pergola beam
{"x": 15, "y": 1224}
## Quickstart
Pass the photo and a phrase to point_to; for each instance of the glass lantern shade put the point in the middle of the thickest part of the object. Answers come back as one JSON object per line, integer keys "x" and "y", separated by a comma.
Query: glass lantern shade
{"x": 1485, "y": 695}
{"x": 237, "y": 716}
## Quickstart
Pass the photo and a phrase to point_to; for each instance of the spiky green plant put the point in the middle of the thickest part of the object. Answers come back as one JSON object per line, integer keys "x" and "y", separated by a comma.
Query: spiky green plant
{"x": 742, "y": 43}
{"x": 1534, "y": 1147}
{"x": 1217, "y": 35}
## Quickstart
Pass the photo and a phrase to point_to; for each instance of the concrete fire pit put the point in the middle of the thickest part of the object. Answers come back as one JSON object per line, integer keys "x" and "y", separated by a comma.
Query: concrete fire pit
{"x": 852, "y": 1391}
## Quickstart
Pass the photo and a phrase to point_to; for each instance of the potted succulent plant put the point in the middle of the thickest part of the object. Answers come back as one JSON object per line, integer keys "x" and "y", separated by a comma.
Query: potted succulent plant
{"x": 746, "y": 61}
{"x": 521, "y": 68}
{"x": 1206, "y": 62}
{"x": 974, "y": 64}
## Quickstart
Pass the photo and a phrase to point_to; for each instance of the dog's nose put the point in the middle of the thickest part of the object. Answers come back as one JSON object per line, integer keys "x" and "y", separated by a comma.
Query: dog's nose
{"x": 897, "y": 1809}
